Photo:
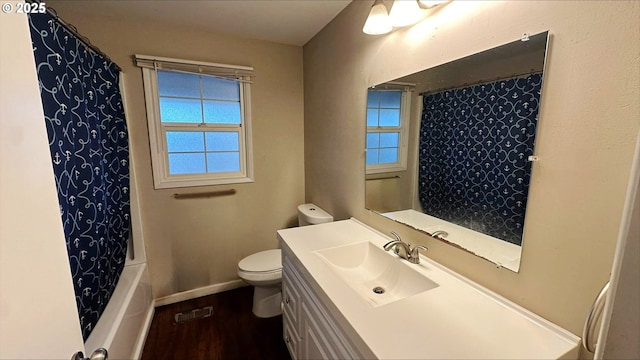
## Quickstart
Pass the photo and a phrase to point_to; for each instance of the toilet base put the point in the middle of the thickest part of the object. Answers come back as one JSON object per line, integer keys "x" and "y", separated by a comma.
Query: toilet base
{"x": 267, "y": 301}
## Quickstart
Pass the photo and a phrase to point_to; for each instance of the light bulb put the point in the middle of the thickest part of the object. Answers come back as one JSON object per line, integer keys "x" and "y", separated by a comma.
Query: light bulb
{"x": 378, "y": 20}
{"x": 432, "y": 3}
{"x": 405, "y": 12}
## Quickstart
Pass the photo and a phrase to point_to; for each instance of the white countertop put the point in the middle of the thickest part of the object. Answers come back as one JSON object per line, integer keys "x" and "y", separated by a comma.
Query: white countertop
{"x": 458, "y": 319}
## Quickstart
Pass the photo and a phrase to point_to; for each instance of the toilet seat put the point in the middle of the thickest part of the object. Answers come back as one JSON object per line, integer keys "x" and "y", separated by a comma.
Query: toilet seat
{"x": 263, "y": 261}
{"x": 262, "y": 266}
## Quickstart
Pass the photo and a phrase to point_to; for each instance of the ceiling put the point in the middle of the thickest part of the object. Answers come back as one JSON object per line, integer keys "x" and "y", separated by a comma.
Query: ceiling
{"x": 292, "y": 22}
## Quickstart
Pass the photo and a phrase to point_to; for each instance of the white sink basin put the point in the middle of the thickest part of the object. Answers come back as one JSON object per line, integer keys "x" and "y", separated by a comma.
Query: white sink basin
{"x": 377, "y": 276}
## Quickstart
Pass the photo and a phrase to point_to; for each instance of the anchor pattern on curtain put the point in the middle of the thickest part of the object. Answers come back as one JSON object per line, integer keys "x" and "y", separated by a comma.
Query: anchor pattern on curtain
{"x": 473, "y": 159}
{"x": 89, "y": 148}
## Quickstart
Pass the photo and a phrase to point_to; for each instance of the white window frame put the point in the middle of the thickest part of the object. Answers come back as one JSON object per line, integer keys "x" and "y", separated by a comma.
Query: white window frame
{"x": 157, "y": 130}
{"x": 403, "y": 129}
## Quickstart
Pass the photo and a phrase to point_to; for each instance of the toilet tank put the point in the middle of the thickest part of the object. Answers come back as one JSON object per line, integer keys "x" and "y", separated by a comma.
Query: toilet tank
{"x": 310, "y": 214}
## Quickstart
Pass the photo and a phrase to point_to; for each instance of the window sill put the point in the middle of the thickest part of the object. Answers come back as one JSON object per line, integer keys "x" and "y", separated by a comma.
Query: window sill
{"x": 183, "y": 183}
{"x": 386, "y": 169}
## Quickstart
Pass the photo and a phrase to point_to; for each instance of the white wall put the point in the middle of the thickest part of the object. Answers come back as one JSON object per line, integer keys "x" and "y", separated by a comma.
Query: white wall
{"x": 586, "y": 135}
{"x": 38, "y": 314}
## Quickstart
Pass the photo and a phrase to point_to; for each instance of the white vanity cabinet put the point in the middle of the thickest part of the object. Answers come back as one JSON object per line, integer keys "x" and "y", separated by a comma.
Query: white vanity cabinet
{"x": 309, "y": 330}
{"x": 332, "y": 309}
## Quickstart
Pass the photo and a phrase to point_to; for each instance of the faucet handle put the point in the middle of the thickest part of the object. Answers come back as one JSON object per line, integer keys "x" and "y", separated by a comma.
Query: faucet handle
{"x": 395, "y": 235}
{"x": 418, "y": 247}
{"x": 415, "y": 254}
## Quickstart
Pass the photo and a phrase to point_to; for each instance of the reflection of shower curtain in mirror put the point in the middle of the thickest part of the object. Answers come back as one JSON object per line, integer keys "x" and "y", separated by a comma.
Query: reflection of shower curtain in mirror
{"x": 89, "y": 147}
{"x": 473, "y": 159}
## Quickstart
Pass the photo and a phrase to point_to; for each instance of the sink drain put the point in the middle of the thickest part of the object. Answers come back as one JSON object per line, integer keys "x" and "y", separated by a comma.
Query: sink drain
{"x": 378, "y": 290}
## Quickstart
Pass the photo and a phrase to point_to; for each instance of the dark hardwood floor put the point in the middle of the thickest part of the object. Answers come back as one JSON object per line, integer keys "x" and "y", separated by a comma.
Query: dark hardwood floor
{"x": 232, "y": 332}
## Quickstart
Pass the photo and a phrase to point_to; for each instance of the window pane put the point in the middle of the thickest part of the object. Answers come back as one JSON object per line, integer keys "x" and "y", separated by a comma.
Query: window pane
{"x": 372, "y": 156}
{"x": 389, "y": 117}
{"x": 178, "y": 84}
{"x": 223, "y": 161}
{"x": 373, "y": 99}
{"x": 373, "y": 140}
{"x": 221, "y": 112}
{"x": 180, "y": 110}
{"x": 390, "y": 99}
{"x": 372, "y": 117}
{"x": 185, "y": 141}
{"x": 389, "y": 155}
{"x": 186, "y": 164}
{"x": 220, "y": 89}
{"x": 222, "y": 141}
{"x": 389, "y": 139}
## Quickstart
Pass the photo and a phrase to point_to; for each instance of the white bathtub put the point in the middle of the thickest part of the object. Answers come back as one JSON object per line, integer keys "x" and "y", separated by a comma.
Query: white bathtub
{"x": 122, "y": 328}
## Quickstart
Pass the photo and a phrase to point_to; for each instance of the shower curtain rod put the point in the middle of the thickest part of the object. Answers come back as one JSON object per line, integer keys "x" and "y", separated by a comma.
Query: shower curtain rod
{"x": 480, "y": 82}
{"x": 72, "y": 29}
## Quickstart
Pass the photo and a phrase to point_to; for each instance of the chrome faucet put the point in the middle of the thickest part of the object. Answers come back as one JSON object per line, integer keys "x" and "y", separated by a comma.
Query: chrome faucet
{"x": 440, "y": 233}
{"x": 398, "y": 244}
{"x": 404, "y": 250}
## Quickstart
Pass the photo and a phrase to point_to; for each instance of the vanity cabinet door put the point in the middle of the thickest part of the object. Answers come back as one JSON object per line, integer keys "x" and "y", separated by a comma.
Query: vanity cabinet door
{"x": 321, "y": 334}
{"x": 316, "y": 345}
{"x": 309, "y": 330}
{"x": 291, "y": 299}
{"x": 291, "y": 337}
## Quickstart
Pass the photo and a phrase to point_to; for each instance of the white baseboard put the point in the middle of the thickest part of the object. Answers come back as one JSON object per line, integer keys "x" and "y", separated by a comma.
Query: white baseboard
{"x": 142, "y": 337}
{"x": 203, "y": 291}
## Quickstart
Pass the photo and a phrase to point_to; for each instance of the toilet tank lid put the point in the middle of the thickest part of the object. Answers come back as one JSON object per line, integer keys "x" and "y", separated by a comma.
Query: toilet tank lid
{"x": 314, "y": 214}
{"x": 267, "y": 260}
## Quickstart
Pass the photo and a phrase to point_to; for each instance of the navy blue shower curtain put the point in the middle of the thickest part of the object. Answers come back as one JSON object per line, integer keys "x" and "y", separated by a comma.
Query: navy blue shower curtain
{"x": 473, "y": 159}
{"x": 89, "y": 147}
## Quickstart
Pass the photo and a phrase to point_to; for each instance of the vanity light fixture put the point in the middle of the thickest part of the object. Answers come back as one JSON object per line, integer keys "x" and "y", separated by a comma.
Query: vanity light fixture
{"x": 405, "y": 13}
{"x": 378, "y": 21}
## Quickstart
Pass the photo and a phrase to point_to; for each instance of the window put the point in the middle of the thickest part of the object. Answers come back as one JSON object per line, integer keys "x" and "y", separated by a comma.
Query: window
{"x": 387, "y": 122}
{"x": 199, "y": 122}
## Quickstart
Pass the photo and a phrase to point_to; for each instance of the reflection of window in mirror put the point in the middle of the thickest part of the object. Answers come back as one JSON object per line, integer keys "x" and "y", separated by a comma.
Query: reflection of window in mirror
{"x": 472, "y": 131}
{"x": 387, "y": 122}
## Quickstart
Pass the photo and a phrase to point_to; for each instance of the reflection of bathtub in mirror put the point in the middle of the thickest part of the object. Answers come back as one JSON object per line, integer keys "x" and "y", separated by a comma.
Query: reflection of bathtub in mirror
{"x": 464, "y": 148}
{"x": 503, "y": 253}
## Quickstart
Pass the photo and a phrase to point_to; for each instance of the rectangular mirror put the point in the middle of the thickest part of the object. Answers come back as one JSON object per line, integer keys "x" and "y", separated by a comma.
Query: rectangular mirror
{"x": 450, "y": 148}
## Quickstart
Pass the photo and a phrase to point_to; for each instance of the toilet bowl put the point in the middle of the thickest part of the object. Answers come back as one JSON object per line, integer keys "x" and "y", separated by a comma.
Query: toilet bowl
{"x": 263, "y": 270}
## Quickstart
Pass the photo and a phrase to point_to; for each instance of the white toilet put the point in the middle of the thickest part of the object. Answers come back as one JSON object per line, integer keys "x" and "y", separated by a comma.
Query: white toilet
{"x": 263, "y": 270}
